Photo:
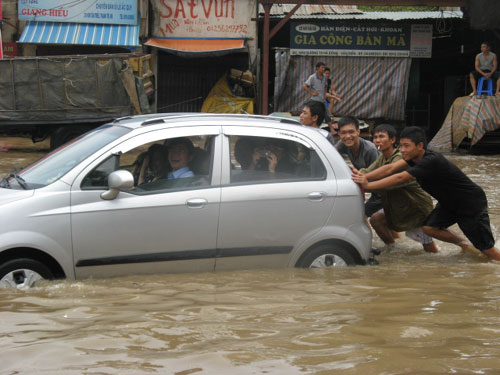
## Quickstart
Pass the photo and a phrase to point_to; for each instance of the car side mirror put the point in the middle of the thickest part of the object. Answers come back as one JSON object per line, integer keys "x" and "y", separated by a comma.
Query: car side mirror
{"x": 117, "y": 181}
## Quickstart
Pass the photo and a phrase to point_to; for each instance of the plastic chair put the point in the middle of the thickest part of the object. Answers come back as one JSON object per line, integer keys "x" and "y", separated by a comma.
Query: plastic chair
{"x": 480, "y": 84}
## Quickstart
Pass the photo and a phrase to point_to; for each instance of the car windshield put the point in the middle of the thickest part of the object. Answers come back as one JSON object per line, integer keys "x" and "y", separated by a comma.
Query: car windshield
{"x": 60, "y": 161}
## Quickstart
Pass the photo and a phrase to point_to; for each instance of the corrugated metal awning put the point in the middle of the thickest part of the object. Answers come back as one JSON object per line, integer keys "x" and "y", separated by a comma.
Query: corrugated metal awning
{"x": 198, "y": 46}
{"x": 38, "y": 32}
{"x": 351, "y": 12}
{"x": 280, "y": 10}
{"x": 391, "y": 16}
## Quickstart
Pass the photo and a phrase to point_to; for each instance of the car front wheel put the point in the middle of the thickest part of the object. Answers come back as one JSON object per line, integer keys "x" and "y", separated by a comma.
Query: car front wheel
{"x": 23, "y": 273}
{"x": 327, "y": 256}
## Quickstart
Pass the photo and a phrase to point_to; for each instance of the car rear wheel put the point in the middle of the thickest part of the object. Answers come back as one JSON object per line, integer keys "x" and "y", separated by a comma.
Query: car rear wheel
{"x": 23, "y": 273}
{"x": 326, "y": 256}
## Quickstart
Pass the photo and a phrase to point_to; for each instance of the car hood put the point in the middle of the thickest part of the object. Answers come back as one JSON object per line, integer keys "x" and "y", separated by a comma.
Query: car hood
{"x": 11, "y": 195}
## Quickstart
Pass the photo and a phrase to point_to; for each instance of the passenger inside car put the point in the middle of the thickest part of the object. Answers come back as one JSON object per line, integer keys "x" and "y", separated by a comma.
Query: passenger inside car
{"x": 268, "y": 155}
{"x": 244, "y": 152}
{"x": 262, "y": 159}
{"x": 154, "y": 165}
{"x": 279, "y": 157}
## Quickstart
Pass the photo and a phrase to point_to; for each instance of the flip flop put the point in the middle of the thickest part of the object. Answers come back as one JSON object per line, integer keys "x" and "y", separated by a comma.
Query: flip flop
{"x": 472, "y": 94}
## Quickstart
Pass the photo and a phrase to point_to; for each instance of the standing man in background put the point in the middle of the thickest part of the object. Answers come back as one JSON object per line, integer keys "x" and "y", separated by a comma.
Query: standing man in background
{"x": 316, "y": 86}
{"x": 331, "y": 94}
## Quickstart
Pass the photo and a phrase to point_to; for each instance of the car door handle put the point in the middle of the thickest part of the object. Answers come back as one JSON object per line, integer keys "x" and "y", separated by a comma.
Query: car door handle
{"x": 196, "y": 203}
{"x": 316, "y": 196}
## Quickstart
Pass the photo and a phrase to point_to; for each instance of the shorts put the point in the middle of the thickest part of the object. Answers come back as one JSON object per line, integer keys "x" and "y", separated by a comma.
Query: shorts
{"x": 373, "y": 204}
{"x": 476, "y": 227}
{"x": 417, "y": 234}
{"x": 478, "y": 75}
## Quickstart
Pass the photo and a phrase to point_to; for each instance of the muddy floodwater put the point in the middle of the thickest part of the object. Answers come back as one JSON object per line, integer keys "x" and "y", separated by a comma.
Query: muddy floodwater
{"x": 414, "y": 313}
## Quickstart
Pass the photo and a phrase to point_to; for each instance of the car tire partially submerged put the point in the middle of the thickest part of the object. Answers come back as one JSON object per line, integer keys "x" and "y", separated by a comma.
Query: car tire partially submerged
{"x": 325, "y": 256}
{"x": 23, "y": 273}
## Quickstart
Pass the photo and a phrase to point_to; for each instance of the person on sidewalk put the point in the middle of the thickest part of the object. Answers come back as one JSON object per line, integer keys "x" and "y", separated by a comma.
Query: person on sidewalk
{"x": 460, "y": 200}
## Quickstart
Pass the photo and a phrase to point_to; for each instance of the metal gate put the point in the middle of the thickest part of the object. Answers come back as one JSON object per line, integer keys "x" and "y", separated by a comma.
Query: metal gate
{"x": 184, "y": 83}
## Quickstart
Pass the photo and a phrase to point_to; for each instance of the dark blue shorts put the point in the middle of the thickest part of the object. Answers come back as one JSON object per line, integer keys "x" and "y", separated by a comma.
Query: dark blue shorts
{"x": 475, "y": 227}
{"x": 374, "y": 204}
{"x": 478, "y": 75}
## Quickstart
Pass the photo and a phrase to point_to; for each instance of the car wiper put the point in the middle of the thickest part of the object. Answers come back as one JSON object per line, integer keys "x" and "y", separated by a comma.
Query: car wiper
{"x": 4, "y": 182}
{"x": 21, "y": 181}
{"x": 15, "y": 176}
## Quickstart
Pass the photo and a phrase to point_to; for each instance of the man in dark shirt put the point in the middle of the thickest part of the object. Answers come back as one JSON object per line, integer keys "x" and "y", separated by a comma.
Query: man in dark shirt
{"x": 459, "y": 199}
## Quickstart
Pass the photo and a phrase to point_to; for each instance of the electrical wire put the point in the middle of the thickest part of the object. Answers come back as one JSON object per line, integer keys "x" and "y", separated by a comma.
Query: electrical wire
{"x": 442, "y": 26}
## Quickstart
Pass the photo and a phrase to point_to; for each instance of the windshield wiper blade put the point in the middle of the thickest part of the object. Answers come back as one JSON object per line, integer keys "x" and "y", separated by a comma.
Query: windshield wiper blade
{"x": 15, "y": 176}
{"x": 4, "y": 182}
{"x": 21, "y": 181}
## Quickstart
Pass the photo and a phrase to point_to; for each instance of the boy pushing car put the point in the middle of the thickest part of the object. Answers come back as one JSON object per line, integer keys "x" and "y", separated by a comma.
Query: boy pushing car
{"x": 459, "y": 199}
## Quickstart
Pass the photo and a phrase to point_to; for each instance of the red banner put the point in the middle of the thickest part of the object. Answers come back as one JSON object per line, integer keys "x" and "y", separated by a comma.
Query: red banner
{"x": 10, "y": 49}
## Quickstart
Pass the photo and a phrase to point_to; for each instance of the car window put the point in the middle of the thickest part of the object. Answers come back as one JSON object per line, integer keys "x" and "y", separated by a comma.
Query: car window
{"x": 98, "y": 177}
{"x": 268, "y": 159}
{"x": 56, "y": 164}
{"x": 166, "y": 164}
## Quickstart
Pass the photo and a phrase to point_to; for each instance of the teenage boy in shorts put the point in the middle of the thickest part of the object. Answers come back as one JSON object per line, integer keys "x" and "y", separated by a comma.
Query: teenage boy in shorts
{"x": 405, "y": 206}
{"x": 459, "y": 199}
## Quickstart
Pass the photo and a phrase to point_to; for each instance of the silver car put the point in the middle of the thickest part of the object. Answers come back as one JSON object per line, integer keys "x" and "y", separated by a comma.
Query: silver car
{"x": 256, "y": 192}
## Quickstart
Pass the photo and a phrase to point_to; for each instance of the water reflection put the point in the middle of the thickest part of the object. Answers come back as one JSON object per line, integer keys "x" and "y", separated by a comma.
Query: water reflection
{"x": 416, "y": 313}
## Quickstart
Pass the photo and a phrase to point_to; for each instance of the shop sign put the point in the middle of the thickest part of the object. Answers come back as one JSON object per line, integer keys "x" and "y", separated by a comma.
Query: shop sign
{"x": 9, "y": 49}
{"x": 121, "y": 12}
{"x": 421, "y": 41}
{"x": 204, "y": 18}
{"x": 333, "y": 39}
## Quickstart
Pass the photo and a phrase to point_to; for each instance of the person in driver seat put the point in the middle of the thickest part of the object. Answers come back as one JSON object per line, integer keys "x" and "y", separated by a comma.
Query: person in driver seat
{"x": 180, "y": 153}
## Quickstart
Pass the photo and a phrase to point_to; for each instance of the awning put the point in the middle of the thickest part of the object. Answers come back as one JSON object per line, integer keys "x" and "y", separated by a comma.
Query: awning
{"x": 192, "y": 47}
{"x": 38, "y": 32}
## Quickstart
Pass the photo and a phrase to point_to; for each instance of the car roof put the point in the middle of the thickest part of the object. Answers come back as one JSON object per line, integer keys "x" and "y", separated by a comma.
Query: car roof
{"x": 134, "y": 122}
{"x": 142, "y": 122}
{"x": 226, "y": 119}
